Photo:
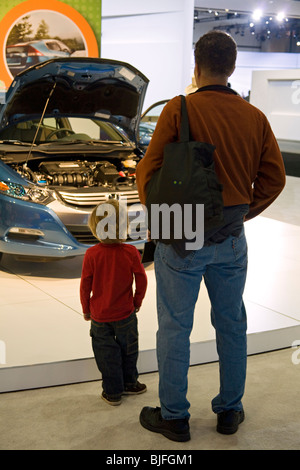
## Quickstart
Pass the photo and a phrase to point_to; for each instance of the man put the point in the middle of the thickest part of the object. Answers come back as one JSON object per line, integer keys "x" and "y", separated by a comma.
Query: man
{"x": 249, "y": 165}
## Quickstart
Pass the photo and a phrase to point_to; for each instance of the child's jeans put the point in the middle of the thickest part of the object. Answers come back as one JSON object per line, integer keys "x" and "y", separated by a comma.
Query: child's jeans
{"x": 115, "y": 346}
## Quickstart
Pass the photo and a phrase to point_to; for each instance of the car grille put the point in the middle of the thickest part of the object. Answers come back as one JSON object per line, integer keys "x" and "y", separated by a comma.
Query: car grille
{"x": 92, "y": 198}
{"x": 83, "y": 234}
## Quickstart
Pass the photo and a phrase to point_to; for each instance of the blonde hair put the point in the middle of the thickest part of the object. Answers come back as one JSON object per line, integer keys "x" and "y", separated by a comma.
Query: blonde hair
{"x": 119, "y": 215}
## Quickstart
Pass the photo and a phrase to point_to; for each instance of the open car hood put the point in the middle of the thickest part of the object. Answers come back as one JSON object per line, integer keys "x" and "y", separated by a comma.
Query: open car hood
{"x": 86, "y": 87}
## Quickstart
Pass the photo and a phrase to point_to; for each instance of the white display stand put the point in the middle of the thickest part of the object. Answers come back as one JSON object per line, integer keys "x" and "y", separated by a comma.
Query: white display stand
{"x": 46, "y": 341}
{"x": 277, "y": 94}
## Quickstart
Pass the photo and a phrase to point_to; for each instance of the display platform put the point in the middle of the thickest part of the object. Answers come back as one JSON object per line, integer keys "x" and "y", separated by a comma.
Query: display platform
{"x": 44, "y": 340}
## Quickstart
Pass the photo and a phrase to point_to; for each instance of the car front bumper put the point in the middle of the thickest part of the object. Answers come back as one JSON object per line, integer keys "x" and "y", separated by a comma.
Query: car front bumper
{"x": 37, "y": 231}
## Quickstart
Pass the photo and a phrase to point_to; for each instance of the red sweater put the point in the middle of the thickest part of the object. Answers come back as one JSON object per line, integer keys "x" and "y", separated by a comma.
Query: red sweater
{"x": 248, "y": 161}
{"x": 108, "y": 272}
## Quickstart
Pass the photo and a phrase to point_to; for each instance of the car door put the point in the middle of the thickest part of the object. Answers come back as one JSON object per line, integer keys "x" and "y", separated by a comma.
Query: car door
{"x": 148, "y": 123}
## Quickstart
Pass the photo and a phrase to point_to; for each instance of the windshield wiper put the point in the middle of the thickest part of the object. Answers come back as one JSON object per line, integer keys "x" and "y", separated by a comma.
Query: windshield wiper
{"x": 16, "y": 142}
{"x": 79, "y": 141}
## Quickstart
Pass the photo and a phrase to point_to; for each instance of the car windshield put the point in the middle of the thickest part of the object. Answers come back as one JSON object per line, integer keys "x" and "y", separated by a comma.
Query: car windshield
{"x": 63, "y": 130}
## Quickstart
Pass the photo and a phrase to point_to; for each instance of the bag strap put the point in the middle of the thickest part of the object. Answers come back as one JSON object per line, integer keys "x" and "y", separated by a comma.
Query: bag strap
{"x": 184, "y": 125}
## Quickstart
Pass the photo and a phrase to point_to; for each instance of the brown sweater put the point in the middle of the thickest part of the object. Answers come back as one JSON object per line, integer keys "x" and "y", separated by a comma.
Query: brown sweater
{"x": 248, "y": 161}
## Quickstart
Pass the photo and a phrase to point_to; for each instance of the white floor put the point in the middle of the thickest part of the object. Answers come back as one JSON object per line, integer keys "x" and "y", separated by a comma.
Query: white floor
{"x": 45, "y": 341}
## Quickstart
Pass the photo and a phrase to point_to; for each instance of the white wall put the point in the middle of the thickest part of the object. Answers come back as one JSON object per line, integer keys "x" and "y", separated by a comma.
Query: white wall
{"x": 247, "y": 62}
{"x": 156, "y": 37}
{"x": 277, "y": 94}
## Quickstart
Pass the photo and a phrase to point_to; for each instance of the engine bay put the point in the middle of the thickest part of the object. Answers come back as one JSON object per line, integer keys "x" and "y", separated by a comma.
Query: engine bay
{"x": 69, "y": 174}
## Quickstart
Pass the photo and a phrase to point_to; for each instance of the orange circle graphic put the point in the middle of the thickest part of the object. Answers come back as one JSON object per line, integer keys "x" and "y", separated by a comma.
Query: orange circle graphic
{"x": 54, "y": 5}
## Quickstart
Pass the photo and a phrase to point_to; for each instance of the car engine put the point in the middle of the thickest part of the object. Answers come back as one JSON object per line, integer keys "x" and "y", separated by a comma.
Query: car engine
{"x": 79, "y": 173}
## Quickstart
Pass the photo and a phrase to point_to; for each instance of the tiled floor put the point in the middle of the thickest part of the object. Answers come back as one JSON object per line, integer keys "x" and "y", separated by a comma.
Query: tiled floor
{"x": 41, "y": 326}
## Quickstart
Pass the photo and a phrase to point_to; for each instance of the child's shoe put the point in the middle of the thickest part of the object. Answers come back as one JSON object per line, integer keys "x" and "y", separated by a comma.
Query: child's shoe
{"x": 112, "y": 400}
{"x": 135, "y": 389}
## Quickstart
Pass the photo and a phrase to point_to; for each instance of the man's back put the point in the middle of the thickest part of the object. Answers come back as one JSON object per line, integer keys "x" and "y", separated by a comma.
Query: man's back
{"x": 246, "y": 152}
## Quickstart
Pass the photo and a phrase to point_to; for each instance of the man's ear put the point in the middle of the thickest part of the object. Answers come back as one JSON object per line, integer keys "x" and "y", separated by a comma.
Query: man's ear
{"x": 197, "y": 75}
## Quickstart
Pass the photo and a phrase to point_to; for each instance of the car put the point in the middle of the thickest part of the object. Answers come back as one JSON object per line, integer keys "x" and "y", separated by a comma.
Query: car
{"x": 23, "y": 55}
{"x": 68, "y": 141}
{"x": 148, "y": 122}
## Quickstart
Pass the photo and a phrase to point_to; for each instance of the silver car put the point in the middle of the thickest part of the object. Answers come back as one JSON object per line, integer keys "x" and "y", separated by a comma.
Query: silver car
{"x": 68, "y": 140}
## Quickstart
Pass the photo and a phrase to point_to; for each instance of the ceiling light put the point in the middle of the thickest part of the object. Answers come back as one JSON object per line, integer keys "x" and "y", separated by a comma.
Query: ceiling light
{"x": 280, "y": 16}
{"x": 257, "y": 14}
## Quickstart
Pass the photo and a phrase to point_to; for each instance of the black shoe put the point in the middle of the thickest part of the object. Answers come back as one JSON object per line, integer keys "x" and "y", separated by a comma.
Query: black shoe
{"x": 134, "y": 389}
{"x": 174, "y": 429}
{"x": 113, "y": 400}
{"x": 228, "y": 421}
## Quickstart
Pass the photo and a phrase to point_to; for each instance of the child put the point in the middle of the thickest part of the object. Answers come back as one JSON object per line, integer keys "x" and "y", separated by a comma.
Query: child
{"x": 107, "y": 300}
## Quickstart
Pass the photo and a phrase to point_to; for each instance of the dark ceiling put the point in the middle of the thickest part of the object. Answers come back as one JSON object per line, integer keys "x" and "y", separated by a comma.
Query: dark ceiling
{"x": 280, "y": 34}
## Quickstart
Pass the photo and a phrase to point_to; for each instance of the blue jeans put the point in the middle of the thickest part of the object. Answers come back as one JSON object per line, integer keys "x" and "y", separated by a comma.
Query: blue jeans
{"x": 223, "y": 267}
{"x": 115, "y": 346}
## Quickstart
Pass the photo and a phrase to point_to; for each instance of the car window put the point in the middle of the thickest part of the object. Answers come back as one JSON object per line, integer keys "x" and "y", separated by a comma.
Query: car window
{"x": 95, "y": 129}
{"x": 148, "y": 122}
{"x": 50, "y": 122}
{"x": 53, "y": 46}
{"x": 16, "y": 50}
{"x": 62, "y": 129}
{"x": 152, "y": 114}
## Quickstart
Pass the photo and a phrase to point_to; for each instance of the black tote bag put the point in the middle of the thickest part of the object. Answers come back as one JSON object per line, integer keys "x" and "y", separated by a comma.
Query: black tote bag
{"x": 187, "y": 178}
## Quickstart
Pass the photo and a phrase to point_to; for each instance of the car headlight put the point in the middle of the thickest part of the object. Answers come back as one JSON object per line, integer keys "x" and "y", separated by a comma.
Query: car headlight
{"x": 32, "y": 193}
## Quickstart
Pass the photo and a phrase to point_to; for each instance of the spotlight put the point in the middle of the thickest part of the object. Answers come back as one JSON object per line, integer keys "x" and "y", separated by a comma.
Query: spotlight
{"x": 280, "y": 16}
{"x": 257, "y": 14}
